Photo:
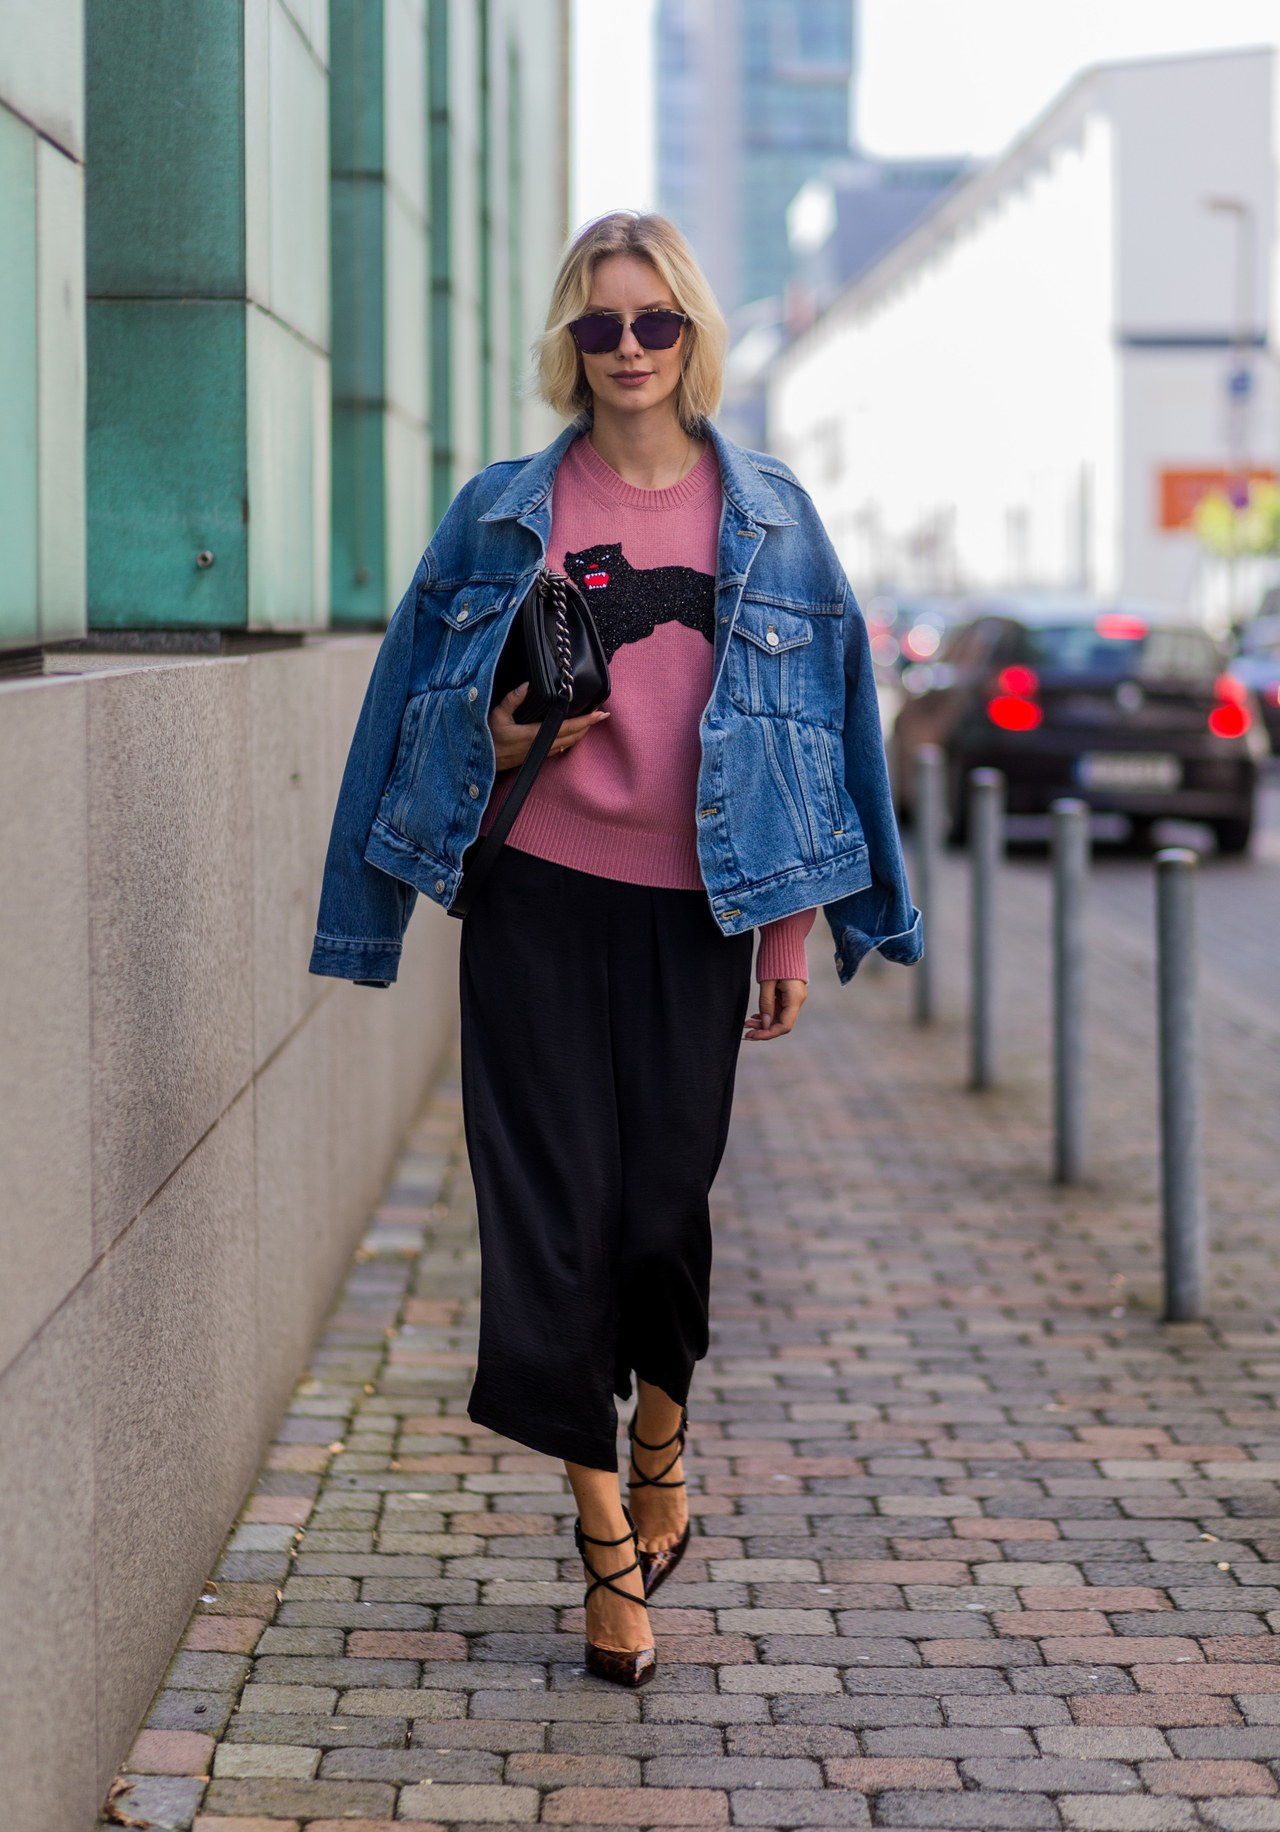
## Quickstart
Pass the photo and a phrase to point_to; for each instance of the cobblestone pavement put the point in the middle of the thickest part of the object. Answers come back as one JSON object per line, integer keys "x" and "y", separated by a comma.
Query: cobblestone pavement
{"x": 981, "y": 1543}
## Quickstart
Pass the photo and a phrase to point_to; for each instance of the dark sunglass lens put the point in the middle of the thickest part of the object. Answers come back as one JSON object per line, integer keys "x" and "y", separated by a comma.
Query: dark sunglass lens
{"x": 658, "y": 330}
{"x": 597, "y": 332}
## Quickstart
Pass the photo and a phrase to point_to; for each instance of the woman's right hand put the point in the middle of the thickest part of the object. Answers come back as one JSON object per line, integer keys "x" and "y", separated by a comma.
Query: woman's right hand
{"x": 513, "y": 742}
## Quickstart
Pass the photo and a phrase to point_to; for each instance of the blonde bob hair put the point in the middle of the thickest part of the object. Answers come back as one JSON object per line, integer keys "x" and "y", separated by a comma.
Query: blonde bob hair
{"x": 560, "y": 378}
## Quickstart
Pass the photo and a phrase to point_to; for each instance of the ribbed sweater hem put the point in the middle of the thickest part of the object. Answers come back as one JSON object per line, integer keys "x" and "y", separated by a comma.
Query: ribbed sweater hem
{"x": 669, "y": 860}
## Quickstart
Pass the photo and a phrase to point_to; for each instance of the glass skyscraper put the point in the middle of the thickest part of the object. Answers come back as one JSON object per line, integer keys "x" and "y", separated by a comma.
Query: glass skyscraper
{"x": 753, "y": 97}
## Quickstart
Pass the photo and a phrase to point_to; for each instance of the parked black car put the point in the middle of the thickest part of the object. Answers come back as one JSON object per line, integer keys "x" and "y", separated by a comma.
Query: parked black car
{"x": 1131, "y": 711}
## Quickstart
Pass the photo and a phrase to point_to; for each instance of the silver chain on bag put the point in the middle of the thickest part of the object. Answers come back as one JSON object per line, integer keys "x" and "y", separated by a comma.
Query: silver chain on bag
{"x": 564, "y": 654}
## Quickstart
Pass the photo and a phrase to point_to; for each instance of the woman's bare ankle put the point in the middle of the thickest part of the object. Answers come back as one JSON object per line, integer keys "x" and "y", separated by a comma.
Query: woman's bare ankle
{"x": 612, "y": 1621}
{"x": 660, "y": 1512}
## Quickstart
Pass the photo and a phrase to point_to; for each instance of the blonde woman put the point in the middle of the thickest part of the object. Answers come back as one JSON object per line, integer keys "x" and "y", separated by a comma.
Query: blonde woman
{"x": 733, "y": 783}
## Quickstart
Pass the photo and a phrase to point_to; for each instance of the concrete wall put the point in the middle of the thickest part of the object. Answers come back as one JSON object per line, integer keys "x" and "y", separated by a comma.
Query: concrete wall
{"x": 193, "y": 1130}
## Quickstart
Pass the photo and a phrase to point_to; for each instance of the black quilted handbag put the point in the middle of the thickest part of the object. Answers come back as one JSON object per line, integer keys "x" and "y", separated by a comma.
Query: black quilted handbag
{"x": 555, "y": 646}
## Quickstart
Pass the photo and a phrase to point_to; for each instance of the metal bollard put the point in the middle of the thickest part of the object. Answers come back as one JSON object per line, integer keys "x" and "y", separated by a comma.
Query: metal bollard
{"x": 928, "y": 839}
{"x": 1070, "y": 872}
{"x": 986, "y": 845}
{"x": 1182, "y": 1197}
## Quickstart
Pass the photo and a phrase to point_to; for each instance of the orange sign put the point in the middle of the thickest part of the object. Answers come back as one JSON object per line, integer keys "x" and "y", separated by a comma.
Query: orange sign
{"x": 1181, "y": 492}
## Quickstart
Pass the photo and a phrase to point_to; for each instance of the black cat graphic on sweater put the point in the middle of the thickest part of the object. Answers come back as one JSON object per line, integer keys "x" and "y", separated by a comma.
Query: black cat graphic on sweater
{"x": 629, "y": 602}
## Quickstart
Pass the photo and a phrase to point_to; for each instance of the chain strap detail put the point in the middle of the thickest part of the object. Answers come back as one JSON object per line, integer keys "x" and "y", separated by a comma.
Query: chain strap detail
{"x": 564, "y": 653}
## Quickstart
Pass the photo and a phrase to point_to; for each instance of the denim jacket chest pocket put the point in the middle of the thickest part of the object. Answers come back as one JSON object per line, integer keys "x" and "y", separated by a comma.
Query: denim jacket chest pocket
{"x": 468, "y": 623}
{"x": 768, "y": 667}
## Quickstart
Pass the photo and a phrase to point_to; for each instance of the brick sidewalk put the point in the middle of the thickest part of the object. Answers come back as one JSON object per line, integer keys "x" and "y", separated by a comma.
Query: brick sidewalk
{"x": 982, "y": 1543}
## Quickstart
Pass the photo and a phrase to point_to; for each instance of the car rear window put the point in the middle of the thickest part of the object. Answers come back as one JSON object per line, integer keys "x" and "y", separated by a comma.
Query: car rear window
{"x": 1262, "y": 637}
{"x": 1119, "y": 646}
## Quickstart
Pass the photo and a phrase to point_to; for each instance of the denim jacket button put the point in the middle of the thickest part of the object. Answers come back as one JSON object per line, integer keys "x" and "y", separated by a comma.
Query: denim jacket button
{"x": 439, "y": 884}
{"x": 473, "y": 693}
{"x": 772, "y": 639}
{"x": 472, "y": 790}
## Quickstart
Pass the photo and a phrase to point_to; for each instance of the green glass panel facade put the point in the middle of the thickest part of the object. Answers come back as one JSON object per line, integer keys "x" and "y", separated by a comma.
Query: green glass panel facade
{"x": 288, "y": 452}
{"x": 42, "y": 593}
{"x": 19, "y": 503}
{"x": 267, "y": 265}
{"x": 378, "y": 221}
{"x": 171, "y": 484}
{"x": 457, "y": 173}
{"x": 166, "y": 151}
{"x": 42, "y": 69}
{"x": 209, "y": 315}
{"x": 357, "y": 216}
{"x": 60, "y": 371}
{"x": 515, "y": 221}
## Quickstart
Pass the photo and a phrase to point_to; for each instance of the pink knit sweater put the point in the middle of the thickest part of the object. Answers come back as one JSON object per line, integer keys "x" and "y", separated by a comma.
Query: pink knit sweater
{"x": 622, "y": 801}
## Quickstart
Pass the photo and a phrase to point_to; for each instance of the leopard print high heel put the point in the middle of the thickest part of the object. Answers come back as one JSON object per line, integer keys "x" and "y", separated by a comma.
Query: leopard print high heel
{"x": 626, "y": 1667}
{"x": 655, "y": 1566}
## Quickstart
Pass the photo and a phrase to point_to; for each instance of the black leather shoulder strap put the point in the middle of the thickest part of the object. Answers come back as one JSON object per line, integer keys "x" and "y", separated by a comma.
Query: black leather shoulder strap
{"x": 484, "y": 852}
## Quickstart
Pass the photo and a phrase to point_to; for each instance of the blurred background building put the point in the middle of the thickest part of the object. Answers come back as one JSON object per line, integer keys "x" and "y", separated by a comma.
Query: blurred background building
{"x": 1036, "y": 385}
{"x": 751, "y": 97}
{"x": 840, "y": 222}
{"x": 271, "y": 274}
{"x": 755, "y": 159}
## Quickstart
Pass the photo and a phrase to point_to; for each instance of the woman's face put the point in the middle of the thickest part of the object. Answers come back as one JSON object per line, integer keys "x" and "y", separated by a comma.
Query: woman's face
{"x": 624, "y": 283}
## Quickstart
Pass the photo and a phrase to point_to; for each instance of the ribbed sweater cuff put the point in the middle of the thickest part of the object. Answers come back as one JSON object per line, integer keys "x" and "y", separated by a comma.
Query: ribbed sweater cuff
{"x": 782, "y": 954}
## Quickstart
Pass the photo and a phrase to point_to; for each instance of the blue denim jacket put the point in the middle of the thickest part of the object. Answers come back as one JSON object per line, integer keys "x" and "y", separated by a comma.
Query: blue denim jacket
{"x": 793, "y": 801}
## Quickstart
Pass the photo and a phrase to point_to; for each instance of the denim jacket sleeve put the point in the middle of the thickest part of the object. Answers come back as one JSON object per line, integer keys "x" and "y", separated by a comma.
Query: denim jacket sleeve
{"x": 882, "y": 916}
{"x": 363, "y": 911}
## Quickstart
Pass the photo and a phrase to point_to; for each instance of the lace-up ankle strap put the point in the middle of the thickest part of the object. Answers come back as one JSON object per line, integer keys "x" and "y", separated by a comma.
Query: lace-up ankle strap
{"x": 638, "y": 1478}
{"x": 607, "y": 1579}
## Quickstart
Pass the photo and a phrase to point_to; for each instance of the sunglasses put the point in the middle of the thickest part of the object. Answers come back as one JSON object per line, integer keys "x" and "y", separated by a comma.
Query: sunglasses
{"x": 655, "y": 329}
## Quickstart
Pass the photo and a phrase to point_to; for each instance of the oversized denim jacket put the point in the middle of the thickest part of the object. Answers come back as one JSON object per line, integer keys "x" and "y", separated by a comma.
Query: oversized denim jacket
{"x": 793, "y": 802}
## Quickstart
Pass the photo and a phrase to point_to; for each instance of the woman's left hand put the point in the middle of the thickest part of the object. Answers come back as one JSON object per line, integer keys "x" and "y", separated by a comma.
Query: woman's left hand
{"x": 780, "y": 1002}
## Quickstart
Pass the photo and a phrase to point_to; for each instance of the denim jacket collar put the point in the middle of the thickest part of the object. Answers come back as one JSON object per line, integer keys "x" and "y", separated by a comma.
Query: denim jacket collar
{"x": 741, "y": 480}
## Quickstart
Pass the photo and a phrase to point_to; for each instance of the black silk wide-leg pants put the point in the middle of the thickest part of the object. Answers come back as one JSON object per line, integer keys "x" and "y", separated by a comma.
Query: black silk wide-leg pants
{"x": 600, "y": 1028}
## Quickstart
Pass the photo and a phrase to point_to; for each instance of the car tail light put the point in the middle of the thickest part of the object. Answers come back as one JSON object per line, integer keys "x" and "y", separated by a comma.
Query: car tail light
{"x": 1013, "y": 712}
{"x": 1011, "y": 705}
{"x": 1230, "y": 717}
{"x": 1229, "y": 721}
{"x": 1120, "y": 626}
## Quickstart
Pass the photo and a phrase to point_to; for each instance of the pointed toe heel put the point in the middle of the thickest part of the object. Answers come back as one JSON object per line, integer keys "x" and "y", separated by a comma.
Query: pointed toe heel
{"x": 624, "y": 1666}
{"x": 655, "y": 1567}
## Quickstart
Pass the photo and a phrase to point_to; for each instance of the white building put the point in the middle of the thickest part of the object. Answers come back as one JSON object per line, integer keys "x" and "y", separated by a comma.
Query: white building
{"x": 1014, "y": 393}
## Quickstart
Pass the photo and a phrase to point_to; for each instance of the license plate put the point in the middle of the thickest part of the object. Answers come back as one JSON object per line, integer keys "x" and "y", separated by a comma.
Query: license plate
{"x": 1128, "y": 770}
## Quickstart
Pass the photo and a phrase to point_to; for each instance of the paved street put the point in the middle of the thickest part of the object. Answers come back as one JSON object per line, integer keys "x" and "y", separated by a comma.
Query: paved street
{"x": 980, "y": 1542}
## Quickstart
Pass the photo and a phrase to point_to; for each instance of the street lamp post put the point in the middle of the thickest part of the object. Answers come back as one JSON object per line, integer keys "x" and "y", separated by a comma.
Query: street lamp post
{"x": 1241, "y": 380}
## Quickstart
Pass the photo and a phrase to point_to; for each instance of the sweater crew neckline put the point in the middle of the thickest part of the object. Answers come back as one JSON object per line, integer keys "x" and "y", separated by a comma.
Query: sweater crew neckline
{"x": 609, "y": 487}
